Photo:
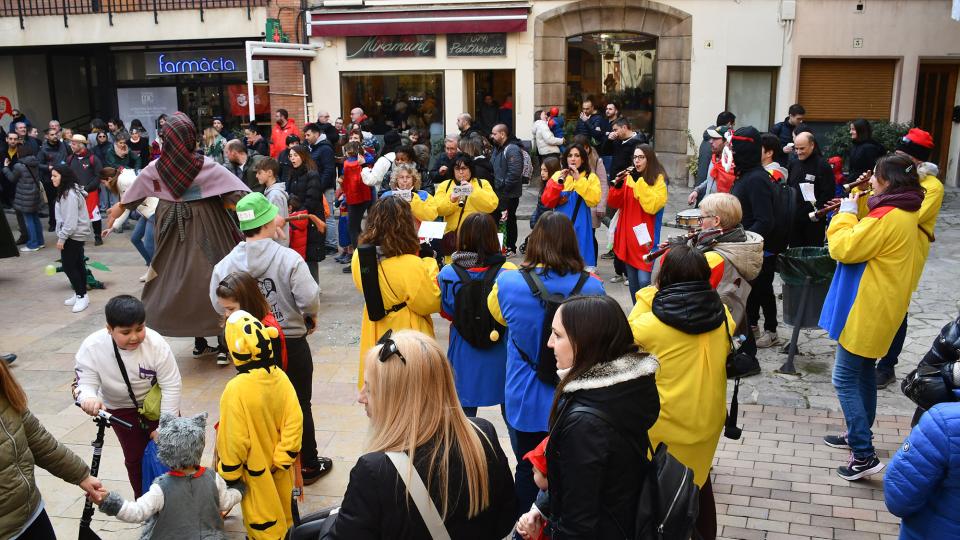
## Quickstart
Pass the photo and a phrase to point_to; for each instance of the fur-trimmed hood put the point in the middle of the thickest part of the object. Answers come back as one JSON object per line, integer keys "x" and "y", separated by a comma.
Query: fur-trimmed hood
{"x": 628, "y": 367}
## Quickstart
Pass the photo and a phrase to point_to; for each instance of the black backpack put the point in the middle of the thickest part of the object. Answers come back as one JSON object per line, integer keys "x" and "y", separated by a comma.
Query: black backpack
{"x": 471, "y": 317}
{"x": 546, "y": 364}
{"x": 784, "y": 212}
{"x": 669, "y": 500}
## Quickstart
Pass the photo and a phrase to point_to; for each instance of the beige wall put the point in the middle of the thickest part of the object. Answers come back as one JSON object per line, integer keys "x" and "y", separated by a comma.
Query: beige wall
{"x": 136, "y": 28}
{"x": 909, "y": 30}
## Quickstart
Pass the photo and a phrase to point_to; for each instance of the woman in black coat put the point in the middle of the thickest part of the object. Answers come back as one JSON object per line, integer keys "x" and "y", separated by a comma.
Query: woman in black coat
{"x": 409, "y": 396}
{"x": 304, "y": 183}
{"x": 482, "y": 167}
{"x": 594, "y": 467}
{"x": 865, "y": 151}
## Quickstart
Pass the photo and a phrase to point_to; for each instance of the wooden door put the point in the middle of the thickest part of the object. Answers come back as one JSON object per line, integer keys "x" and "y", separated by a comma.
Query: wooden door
{"x": 933, "y": 109}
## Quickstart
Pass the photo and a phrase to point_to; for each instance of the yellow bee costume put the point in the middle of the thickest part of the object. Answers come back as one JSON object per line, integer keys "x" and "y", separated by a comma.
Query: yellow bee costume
{"x": 260, "y": 429}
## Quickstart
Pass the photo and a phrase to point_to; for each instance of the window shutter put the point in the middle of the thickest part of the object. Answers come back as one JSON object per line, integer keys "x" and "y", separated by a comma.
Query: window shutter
{"x": 841, "y": 90}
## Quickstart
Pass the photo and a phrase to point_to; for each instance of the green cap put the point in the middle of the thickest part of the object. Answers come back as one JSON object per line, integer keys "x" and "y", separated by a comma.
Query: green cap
{"x": 254, "y": 210}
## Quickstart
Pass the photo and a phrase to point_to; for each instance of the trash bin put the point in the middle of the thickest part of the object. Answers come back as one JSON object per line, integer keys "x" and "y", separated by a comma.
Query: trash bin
{"x": 810, "y": 269}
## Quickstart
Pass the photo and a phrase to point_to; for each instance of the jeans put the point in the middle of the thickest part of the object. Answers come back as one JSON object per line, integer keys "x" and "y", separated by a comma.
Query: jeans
{"x": 300, "y": 372}
{"x": 355, "y": 214}
{"x": 332, "y": 236}
{"x": 523, "y": 442}
{"x": 637, "y": 279}
{"x": 889, "y": 360}
{"x": 855, "y": 379}
{"x": 71, "y": 259}
{"x": 762, "y": 297}
{"x": 34, "y": 229}
{"x": 142, "y": 237}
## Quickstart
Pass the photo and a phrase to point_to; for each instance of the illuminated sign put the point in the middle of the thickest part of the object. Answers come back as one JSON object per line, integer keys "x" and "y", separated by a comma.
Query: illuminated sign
{"x": 194, "y": 62}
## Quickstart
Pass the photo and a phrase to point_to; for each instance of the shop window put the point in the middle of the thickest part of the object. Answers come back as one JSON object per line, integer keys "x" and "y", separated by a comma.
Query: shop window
{"x": 395, "y": 100}
{"x": 751, "y": 93}
{"x": 617, "y": 67}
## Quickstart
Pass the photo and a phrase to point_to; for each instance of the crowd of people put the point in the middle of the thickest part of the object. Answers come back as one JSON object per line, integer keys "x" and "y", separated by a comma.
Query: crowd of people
{"x": 233, "y": 231}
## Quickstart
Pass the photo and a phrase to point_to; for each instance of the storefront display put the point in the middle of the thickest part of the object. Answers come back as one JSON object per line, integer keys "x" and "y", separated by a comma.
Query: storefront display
{"x": 394, "y": 100}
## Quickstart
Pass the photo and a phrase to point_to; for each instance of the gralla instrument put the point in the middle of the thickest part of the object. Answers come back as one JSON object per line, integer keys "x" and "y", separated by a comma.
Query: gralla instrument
{"x": 861, "y": 180}
{"x": 834, "y": 205}
{"x": 701, "y": 238}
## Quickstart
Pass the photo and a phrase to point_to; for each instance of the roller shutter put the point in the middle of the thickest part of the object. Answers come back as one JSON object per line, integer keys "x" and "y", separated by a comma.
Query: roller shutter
{"x": 840, "y": 90}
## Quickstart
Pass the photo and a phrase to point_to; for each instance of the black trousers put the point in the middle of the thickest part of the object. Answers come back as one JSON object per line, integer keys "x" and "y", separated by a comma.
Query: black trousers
{"x": 51, "y": 202}
{"x": 510, "y": 239}
{"x": 71, "y": 258}
{"x": 762, "y": 297}
{"x": 355, "y": 214}
{"x": 300, "y": 372}
{"x": 40, "y": 529}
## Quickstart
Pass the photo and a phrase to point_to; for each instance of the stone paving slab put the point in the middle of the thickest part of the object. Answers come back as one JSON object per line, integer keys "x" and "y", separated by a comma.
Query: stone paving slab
{"x": 776, "y": 482}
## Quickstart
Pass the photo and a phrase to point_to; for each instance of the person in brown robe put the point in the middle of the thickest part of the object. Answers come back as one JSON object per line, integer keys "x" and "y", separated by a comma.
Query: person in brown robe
{"x": 195, "y": 229}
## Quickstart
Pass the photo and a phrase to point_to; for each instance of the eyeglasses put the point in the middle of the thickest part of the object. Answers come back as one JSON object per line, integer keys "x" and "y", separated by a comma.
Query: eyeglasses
{"x": 389, "y": 348}
{"x": 701, "y": 218}
{"x": 639, "y": 156}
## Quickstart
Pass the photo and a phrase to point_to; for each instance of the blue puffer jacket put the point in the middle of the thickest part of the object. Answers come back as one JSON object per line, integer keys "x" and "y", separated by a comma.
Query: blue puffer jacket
{"x": 922, "y": 484}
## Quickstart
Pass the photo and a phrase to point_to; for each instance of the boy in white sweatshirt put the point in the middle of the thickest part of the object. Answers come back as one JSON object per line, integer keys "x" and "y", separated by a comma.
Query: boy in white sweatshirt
{"x": 147, "y": 360}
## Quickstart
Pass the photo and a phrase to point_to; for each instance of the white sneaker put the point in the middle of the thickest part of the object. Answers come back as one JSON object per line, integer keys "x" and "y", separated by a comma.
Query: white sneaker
{"x": 143, "y": 278}
{"x": 83, "y": 302}
{"x": 767, "y": 339}
{"x": 70, "y": 301}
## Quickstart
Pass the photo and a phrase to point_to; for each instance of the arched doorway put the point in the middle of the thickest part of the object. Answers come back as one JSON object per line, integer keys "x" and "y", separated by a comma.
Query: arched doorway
{"x": 669, "y": 30}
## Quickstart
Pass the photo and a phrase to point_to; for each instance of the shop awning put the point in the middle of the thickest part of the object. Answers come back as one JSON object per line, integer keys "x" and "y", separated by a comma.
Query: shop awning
{"x": 402, "y": 23}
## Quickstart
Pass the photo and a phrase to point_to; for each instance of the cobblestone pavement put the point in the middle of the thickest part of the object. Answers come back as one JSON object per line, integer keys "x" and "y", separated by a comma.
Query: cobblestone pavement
{"x": 776, "y": 482}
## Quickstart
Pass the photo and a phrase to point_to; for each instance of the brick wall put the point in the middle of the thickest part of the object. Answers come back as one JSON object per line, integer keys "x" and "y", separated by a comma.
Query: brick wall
{"x": 286, "y": 76}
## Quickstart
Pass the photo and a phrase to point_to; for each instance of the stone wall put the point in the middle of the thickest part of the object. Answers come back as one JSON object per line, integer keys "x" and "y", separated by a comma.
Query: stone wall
{"x": 673, "y": 29}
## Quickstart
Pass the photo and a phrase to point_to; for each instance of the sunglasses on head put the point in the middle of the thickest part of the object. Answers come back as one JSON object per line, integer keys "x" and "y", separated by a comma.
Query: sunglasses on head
{"x": 388, "y": 348}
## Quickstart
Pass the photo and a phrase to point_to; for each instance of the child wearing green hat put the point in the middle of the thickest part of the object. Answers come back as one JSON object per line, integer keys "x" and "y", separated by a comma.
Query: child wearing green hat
{"x": 293, "y": 295}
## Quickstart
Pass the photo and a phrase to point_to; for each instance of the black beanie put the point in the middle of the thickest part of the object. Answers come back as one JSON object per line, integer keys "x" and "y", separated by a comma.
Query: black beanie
{"x": 746, "y": 148}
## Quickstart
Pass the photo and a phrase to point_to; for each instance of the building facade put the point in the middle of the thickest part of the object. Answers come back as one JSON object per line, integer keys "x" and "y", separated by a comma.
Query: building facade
{"x": 671, "y": 65}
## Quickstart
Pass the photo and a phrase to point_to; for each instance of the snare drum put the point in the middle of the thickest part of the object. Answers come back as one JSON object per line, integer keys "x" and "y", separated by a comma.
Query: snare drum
{"x": 688, "y": 219}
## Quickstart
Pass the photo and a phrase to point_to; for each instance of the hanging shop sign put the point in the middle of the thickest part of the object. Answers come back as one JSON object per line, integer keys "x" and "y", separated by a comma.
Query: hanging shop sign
{"x": 391, "y": 46}
{"x": 194, "y": 62}
{"x": 476, "y": 44}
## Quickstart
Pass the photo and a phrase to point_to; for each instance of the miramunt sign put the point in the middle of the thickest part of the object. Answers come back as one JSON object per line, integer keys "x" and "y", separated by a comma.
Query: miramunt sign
{"x": 391, "y": 46}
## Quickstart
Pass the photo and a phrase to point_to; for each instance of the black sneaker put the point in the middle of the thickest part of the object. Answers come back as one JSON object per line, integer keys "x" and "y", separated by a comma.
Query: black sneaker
{"x": 859, "y": 468}
{"x": 314, "y": 472}
{"x": 836, "y": 441}
{"x": 608, "y": 255}
{"x": 347, "y": 269}
{"x": 8, "y": 358}
{"x": 206, "y": 350}
{"x": 884, "y": 379}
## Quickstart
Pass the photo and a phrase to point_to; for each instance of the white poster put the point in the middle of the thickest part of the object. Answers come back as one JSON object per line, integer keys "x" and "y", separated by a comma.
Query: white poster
{"x": 146, "y": 105}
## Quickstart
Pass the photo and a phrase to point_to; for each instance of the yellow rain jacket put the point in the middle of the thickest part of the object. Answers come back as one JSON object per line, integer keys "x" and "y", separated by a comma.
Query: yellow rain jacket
{"x": 691, "y": 381}
{"x": 406, "y": 278}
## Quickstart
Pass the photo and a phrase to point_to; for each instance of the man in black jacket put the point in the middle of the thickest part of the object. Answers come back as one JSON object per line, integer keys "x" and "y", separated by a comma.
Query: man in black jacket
{"x": 591, "y": 123}
{"x": 322, "y": 153}
{"x": 755, "y": 192}
{"x": 784, "y": 130}
{"x": 507, "y": 163}
{"x": 53, "y": 152}
{"x": 810, "y": 167}
{"x": 466, "y": 126}
{"x": 623, "y": 145}
{"x": 443, "y": 169}
{"x": 87, "y": 168}
{"x": 242, "y": 164}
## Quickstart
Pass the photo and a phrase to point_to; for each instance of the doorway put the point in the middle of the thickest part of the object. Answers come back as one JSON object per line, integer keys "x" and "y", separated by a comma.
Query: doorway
{"x": 934, "y": 108}
{"x": 489, "y": 98}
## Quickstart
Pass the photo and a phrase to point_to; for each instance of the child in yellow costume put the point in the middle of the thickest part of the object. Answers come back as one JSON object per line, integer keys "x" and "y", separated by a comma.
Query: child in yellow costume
{"x": 260, "y": 428}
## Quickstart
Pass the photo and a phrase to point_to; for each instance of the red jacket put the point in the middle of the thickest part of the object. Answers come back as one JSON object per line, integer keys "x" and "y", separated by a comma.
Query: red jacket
{"x": 353, "y": 187}
{"x": 270, "y": 320}
{"x": 278, "y": 137}
{"x": 298, "y": 234}
{"x": 639, "y": 204}
{"x": 723, "y": 178}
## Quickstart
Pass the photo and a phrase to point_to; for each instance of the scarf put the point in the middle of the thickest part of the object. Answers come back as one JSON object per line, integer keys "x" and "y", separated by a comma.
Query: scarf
{"x": 904, "y": 199}
{"x": 179, "y": 164}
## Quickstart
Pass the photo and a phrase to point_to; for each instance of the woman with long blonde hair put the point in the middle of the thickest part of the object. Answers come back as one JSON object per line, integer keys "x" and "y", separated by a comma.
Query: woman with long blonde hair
{"x": 213, "y": 143}
{"x": 419, "y": 433}
{"x": 407, "y": 283}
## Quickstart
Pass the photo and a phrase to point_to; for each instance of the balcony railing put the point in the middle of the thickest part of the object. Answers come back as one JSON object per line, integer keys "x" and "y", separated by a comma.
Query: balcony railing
{"x": 35, "y": 8}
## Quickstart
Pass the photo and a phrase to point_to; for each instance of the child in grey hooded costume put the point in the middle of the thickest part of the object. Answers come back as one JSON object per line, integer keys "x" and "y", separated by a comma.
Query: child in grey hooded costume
{"x": 186, "y": 502}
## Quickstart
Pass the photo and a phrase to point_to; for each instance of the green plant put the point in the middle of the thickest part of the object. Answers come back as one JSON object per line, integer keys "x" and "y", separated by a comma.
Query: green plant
{"x": 694, "y": 156}
{"x": 886, "y": 133}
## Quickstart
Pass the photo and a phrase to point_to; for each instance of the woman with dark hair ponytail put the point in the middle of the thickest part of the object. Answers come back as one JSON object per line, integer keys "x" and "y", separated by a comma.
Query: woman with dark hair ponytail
{"x": 594, "y": 468}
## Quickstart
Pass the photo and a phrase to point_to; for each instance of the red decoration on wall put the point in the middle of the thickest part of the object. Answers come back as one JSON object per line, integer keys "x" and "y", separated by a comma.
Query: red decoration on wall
{"x": 238, "y": 99}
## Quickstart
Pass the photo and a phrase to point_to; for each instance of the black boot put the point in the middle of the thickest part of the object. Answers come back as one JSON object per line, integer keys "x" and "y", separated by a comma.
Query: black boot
{"x": 22, "y": 225}
{"x": 97, "y": 230}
